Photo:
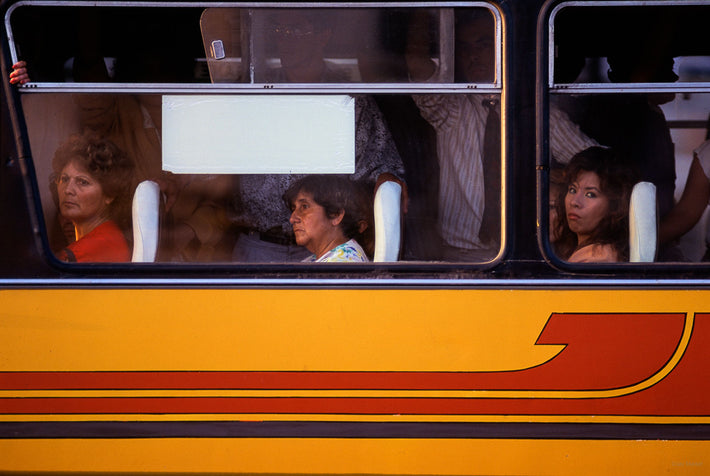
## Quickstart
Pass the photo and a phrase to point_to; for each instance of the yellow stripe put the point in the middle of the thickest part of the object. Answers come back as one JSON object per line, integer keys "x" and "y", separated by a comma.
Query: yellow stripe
{"x": 360, "y": 456}
{"x": 299, "y": 330}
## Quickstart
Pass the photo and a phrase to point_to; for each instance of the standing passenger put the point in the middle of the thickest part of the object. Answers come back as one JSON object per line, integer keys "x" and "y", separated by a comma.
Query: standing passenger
{"x": 465, "y": 201}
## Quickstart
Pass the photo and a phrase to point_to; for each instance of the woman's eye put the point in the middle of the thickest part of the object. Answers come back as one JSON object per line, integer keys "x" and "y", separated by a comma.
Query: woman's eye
{"x": 82, "y": 182}
{"x": 591, "y": 195}
{"x": 63, "y": 180}
{"x": 571, "y": 190}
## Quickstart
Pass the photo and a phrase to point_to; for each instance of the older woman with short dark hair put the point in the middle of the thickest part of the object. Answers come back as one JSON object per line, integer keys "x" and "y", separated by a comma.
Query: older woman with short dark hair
{"x": 93, "y": 179}
{"x": 327, "y": 215}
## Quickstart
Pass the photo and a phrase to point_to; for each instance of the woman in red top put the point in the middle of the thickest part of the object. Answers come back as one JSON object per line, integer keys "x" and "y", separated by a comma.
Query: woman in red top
{"x": 93, "y": 179}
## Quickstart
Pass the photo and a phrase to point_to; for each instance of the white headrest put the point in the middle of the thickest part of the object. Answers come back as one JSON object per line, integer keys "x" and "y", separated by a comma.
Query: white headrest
{"x": 643, "y": 224}
{"x": 146, "y": 221}
{"x": 387, "y": 208}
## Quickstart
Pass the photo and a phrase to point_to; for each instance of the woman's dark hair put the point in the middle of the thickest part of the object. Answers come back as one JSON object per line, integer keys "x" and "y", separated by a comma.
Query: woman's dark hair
{"x": 335, "y": 193}
{"x": 616, "y": 181}
{"x": 106, "y": 163}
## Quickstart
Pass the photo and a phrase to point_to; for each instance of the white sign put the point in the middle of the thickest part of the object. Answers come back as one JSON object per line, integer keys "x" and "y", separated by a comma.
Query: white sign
{"x": 242, "y": 134}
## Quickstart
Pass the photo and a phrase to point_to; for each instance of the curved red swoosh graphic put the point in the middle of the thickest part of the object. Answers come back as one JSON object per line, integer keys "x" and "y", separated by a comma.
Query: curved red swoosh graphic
{"x": 603, "y": 351}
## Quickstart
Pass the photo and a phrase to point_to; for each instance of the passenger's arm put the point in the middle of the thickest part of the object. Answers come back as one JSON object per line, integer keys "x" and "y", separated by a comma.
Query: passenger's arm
{"x": 686, "y": 213}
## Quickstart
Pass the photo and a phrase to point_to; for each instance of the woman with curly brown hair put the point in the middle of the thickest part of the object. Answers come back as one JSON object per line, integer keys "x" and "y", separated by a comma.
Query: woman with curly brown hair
{"x": 93, "y": 179}
{"x": 593, "y": 208}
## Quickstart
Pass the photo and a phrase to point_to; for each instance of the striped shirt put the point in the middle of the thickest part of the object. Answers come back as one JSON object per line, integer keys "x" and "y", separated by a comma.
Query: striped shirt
{"x": 460, "y": 123}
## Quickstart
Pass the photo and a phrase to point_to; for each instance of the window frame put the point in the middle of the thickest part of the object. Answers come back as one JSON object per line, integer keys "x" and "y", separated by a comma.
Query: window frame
{"x": 546, "y": 87}
{"x": 213, "y": 89}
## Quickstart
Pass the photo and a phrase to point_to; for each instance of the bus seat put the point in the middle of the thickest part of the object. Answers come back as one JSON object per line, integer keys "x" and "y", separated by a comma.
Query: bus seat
{"x": 643, "y": 223}
{"x": 387, "y": 209}
{"x": 146, "y": 220}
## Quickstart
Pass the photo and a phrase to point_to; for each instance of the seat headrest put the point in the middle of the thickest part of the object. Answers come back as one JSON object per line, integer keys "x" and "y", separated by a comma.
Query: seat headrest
{"x": 146, "y": 222}
{"x": 387, "y": 209}
{"x": 643, "y": 223}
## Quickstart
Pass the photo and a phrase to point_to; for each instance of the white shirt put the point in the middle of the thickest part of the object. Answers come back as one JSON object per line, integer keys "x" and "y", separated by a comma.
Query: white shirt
{"x": 460, "y": 123}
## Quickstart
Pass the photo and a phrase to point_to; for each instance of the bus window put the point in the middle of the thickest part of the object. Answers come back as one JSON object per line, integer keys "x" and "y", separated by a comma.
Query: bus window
{"x": 86, "y": 44}
{"x": 356, "y": 45}
{"x": 640, "y": 90}
{"x": 426, "y": 104}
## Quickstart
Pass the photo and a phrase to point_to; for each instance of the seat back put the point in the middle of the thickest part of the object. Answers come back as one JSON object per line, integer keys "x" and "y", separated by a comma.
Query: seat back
{"x": 146, "y": 221}
{"x": 388, "y": 222}
{"x": 643, "y": 223}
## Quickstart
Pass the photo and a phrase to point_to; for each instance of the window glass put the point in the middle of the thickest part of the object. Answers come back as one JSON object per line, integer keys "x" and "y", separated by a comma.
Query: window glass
{"x": 128, "y": 45}
{"x": 254, "y": 45}
{"x": 639, "y": 89}
{"x": 636, "y": 45}
{"x": 436, "y": 150}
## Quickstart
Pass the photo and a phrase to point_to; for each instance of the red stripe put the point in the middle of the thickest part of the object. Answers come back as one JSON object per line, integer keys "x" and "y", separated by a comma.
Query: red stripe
{"x": 602, "y": 351}
{"x": 349, "y": 406}
{"x": 684, "y": 392}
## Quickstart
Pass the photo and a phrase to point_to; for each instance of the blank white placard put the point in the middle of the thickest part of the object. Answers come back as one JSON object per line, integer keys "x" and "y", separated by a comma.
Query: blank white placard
{"x": 230, "y": 134}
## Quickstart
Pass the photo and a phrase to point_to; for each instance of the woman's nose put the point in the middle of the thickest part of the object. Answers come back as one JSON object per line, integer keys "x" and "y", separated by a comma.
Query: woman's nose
{"x": 293, "y": 218}
{"x": 69, "y": 188}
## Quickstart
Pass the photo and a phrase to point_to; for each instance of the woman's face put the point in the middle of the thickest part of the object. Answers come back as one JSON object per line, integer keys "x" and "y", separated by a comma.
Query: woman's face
{"x": 311, "y": 226}
{"x": 300, "y": 46}
{"x": 475, "y": 51}
{"x": 585, "y": 205}
{"x": 81, "y": 198}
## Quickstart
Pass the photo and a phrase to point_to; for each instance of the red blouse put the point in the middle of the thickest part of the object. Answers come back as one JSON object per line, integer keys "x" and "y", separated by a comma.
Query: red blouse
{"x": 104, "y": 244}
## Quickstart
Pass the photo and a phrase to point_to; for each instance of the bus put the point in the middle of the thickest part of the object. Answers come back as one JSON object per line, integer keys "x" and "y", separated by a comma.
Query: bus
{"x": 215, "y": 325}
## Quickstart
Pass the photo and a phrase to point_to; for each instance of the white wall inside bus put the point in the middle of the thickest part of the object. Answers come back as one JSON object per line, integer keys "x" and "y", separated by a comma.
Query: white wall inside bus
{"x": 236, "y": 134}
